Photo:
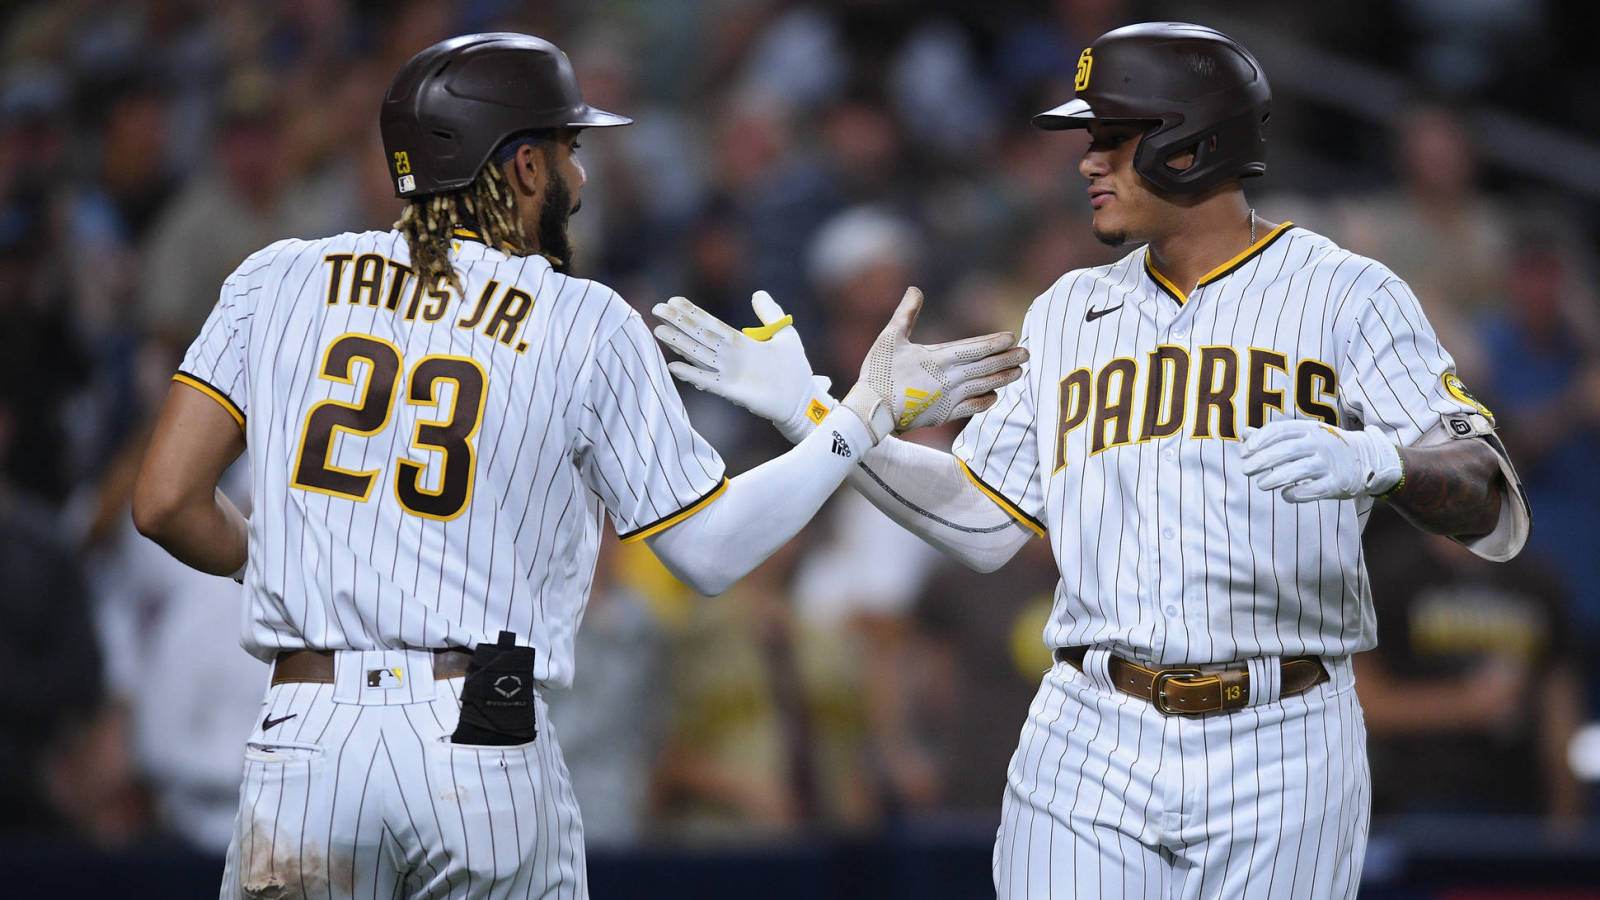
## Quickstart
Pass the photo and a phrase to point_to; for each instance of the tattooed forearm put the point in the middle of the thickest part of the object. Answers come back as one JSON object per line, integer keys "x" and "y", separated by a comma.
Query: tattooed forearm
{"x": 1452, "y": 489}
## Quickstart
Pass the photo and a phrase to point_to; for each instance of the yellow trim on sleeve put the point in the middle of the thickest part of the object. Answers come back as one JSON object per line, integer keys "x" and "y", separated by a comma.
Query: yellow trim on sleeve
{"x": 213, "y": 393}
{"x": 1004, "y": 504}
{"x": 675, "y": 518}
{"x": 765, "y": 332}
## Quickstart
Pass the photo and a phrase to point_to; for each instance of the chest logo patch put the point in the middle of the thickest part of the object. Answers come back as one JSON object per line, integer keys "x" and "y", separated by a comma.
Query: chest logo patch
{"x": 1093, "y": 314}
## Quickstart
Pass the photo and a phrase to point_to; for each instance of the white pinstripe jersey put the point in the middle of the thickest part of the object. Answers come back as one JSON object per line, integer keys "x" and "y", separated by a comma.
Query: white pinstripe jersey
{"x": 428, "y": 467}
{"x": 1121, "y": 441}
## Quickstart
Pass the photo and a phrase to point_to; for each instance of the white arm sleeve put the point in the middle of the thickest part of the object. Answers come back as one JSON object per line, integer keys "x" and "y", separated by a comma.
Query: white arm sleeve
{"x": 935, "y": 496}
{"x": 761, "y": 509}
{"x": 926, "y": 491}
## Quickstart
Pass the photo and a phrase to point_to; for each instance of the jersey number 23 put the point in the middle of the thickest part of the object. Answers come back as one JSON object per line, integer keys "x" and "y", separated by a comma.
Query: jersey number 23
{"x": 450, "y": 434}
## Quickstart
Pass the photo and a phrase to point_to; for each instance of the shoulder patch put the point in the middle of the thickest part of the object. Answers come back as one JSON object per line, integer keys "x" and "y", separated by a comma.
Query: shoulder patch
{"x": 1457, "y": 390}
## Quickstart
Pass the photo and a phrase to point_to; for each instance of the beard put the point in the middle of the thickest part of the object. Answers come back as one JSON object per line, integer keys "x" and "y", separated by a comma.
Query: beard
{"x": 1110, "y": 238}
{"x": 555, "y": 244}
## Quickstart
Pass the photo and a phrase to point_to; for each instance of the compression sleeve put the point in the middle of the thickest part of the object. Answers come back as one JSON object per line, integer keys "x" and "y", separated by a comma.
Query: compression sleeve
{"x": 762, "y": 508}
{"x": 928, "y": 494}
{"x": 926, "y": 491}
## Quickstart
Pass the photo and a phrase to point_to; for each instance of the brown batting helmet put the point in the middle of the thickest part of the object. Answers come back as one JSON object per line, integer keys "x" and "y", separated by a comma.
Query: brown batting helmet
{"x": 1198, "y": 90}
{"x": 451, "y": 105}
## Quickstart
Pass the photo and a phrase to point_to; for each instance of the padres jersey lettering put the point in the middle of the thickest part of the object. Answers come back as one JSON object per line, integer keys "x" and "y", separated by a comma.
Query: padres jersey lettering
{"x": 1122, "y": 440}
{"x": 1163, "y": 404}
{"x": 435, "y": 464}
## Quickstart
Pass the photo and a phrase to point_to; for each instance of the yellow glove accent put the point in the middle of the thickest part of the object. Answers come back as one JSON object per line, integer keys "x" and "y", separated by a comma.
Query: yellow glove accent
{"x": 765, "y": 332}
{"x": 916, "y": 402}
{"x": 816, "y": 412}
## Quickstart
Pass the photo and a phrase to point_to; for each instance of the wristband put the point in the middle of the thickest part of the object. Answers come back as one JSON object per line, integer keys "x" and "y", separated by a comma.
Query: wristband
{"x": 1398, "y": 484}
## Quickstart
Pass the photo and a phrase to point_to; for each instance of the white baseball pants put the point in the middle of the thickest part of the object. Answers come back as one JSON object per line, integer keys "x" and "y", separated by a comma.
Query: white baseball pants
{"x": 355, "y": 791}
{"x": 1108, "y": 798}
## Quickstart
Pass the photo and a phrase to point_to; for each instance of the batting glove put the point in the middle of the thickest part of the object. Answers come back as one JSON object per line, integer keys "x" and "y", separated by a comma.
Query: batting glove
{"x": 905, "y": 386}
{"x": 763, "y": 369}
{"x": 1313, "y": 461}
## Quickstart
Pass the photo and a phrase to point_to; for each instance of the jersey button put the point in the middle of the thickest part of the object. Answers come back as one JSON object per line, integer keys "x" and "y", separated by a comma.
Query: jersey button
{"x": 1180, "y": 335}
{"x": 1167, "y": 533}
{"x": 1172, "y": 611}
{"x": 1169, "y": 454}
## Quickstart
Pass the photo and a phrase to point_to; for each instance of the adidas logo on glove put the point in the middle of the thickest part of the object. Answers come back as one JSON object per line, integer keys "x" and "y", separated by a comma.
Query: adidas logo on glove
{"x": 916, "y": 402}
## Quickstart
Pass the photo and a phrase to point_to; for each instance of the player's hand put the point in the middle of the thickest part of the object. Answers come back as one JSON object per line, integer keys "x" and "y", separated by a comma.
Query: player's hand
{"x": 905, "y": 386}
{"x": 761, "y": 369}
{"x": 1313, "y": 461}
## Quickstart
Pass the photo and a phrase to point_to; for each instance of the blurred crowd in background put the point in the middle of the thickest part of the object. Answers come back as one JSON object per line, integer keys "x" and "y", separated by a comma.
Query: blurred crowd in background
{"x": 831, "y": 152}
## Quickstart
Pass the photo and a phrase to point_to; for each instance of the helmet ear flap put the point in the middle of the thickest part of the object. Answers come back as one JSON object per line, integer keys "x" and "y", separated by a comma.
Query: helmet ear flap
{"x": 1153, "y": 162}
{"x": 1200, "y": 153}
{"x": 1216, "y": 151}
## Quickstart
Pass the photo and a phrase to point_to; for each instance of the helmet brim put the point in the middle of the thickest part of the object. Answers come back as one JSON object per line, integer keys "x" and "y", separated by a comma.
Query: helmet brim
{"x": 597, "y": 118}
{"x": 1071, "y": 114}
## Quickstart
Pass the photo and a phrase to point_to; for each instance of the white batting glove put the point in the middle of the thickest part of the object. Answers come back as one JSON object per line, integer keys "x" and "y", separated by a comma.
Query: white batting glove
{"x": 905, "y": 386}
{"x": 1313, "y": 461}
{"x": 763, "y": 369}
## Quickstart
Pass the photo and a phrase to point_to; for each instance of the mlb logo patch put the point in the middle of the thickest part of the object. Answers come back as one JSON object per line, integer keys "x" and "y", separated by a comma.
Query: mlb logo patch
{"x": 408, "y": 183}
{"x": 384, "y": 678}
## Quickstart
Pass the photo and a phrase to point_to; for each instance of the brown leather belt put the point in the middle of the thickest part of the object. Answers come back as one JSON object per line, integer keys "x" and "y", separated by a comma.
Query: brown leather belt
{"x": 1188, "y": 691}
{"x": 316, "y": 666}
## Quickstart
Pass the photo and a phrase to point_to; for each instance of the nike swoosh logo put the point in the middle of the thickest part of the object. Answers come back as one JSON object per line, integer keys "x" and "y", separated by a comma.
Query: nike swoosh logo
{"x": 269, "y": 722}
{"x": 1097, "y": 313}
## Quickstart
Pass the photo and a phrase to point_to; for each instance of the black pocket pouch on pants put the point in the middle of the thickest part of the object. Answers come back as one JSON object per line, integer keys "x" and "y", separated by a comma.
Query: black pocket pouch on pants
{"x": 497, "y": 701}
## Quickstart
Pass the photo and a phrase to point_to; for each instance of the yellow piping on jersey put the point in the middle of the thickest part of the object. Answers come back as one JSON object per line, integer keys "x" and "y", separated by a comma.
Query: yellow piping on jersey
{"x": 1239, "y": 260}
{"x": 213, "y": 393}
{"x": 1219, "y": 271}
{"x": 1011, "y": 508}
{"x": 675, "y": 518}
{"x": 471, "y": 235}
{"x": 1163, "y": 283}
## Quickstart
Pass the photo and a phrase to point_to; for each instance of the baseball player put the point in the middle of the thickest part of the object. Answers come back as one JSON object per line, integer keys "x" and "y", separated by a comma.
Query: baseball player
{"x": 1201, "y": 433}
{"x": 438, "y": 417}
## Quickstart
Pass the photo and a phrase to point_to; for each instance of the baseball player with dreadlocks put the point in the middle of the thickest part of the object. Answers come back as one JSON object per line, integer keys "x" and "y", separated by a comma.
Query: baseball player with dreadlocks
{"x": 1201, "y": 433}
{"x": 438, "y": 418}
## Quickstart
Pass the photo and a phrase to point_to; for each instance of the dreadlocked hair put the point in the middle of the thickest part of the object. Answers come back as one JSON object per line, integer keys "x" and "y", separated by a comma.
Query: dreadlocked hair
{"x": 486, "y": 206}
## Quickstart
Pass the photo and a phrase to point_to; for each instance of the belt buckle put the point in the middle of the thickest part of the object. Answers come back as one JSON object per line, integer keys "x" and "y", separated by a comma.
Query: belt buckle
{"x": 1158, "y": 692}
